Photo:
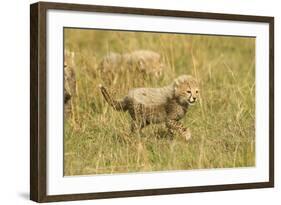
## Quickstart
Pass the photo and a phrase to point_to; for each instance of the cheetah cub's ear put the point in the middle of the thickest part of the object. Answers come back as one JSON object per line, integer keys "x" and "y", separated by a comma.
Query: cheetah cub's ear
{"x": 182, "y": 80}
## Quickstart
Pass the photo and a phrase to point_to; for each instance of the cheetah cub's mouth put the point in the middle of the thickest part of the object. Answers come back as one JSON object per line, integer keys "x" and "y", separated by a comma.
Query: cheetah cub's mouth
{"x": 191, "y": 101}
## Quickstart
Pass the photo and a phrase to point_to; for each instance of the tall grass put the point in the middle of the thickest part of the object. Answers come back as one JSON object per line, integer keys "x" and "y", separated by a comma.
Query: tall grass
{"x": 97, "y": 138}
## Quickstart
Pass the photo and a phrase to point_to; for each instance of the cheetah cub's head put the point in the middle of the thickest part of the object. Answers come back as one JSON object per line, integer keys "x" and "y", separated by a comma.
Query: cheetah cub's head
{"x": 186, "y": 89}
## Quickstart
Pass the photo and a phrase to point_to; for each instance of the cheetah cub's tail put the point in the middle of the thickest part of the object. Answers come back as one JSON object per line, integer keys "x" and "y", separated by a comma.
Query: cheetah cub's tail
{"x": 119, "y": 105}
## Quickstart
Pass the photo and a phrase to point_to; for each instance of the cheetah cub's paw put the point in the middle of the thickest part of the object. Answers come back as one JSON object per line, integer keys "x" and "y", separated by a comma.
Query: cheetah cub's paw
{"x": 187, "y": 134}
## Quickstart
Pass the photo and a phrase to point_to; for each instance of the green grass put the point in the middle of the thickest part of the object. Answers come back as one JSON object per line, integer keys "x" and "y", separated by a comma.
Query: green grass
{"x": 97, "y": 139}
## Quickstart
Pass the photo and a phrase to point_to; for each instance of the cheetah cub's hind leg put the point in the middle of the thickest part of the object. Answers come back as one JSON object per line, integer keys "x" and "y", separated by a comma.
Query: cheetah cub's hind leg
{"x": 138, "y": 122}
{"x": 136, "y": 126}
{"x": 138, "y": 118}
{"x": 177, "y": 127}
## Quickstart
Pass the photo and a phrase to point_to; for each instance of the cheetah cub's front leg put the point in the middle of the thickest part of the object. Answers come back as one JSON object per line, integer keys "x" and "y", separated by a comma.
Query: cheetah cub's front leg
{"x": 177, "y": 127}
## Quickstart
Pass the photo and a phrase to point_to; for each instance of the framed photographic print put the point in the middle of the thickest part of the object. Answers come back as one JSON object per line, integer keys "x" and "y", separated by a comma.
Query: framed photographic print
{"x": 134, "y": 102}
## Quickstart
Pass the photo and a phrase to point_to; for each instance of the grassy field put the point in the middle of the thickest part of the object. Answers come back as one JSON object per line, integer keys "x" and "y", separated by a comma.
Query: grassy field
{"x": 97, "y": 139}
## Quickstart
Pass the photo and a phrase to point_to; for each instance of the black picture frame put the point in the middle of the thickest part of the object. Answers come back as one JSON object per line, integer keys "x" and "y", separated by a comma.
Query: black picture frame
{"x": 38, "y": 103}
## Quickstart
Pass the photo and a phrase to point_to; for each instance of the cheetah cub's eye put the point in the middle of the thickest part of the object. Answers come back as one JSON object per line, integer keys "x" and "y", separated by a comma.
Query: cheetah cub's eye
{"x": 188, "y": 91}
{"x": 196, "y": 91}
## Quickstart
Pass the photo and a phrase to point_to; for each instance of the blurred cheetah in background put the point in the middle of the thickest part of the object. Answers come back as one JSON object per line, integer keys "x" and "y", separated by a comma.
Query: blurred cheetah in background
{"x": 146, "y": 62}
{"x": 69, "y": 79}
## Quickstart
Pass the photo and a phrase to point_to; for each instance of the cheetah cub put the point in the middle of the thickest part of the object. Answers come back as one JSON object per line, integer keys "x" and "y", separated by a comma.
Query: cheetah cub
{"x": 155, "y": 105}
